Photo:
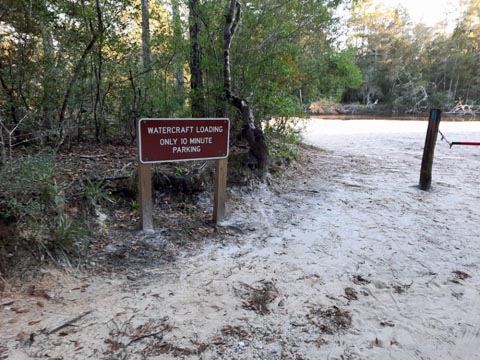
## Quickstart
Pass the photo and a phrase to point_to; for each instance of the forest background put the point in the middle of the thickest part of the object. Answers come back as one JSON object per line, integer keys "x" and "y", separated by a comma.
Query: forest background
{"x": 76, "y": 71}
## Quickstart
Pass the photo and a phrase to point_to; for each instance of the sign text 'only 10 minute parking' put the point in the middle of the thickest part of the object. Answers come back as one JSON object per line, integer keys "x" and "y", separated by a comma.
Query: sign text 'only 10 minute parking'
{"x": 164, "y": 140}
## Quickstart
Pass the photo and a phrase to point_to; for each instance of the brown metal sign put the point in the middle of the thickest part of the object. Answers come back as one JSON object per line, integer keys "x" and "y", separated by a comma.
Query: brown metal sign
{"x": 164, "y": 140}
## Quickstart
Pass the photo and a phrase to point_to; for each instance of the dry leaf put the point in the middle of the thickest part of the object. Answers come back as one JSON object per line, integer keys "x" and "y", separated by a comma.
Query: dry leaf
{"x": 461, "y": 275}
{"x": 351, "y": 294}
{"x": 32, "y": 291}
{"x": 20, "y": 310}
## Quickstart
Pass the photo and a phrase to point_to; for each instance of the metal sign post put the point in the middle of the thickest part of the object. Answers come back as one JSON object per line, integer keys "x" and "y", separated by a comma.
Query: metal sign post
{"x": 168, "y": 140}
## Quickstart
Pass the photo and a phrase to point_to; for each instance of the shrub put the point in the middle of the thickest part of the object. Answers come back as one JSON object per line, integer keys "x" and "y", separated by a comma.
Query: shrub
{"x": 284, "y": 136}
{"x": 96, "y": 194}
{"x": 32, "y": 197}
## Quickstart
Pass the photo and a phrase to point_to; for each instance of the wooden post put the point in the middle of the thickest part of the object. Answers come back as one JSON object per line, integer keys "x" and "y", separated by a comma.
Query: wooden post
{"x": 145, "y": 196}
{"x": 221, "y": 166}
{"x": 429, "y": 149}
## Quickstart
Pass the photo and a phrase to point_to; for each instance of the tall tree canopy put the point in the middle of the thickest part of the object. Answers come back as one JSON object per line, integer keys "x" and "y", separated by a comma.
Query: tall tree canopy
{"x": 412, "y": 66}
{"x": 91, "y": 68}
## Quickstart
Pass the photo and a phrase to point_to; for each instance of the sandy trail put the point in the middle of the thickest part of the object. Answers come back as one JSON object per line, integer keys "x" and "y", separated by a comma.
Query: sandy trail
{"x": 351, "y": 262}
{"x": 406, "y": 236}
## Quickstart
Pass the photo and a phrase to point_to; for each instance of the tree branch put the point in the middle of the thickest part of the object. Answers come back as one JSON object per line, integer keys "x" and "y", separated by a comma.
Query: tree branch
{"x": 236, "y": 21}
{"x": 70, "y": 322}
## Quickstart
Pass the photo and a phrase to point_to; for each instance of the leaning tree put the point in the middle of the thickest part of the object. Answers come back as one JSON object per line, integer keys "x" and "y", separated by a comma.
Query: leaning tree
{"x": 253, "y": 134}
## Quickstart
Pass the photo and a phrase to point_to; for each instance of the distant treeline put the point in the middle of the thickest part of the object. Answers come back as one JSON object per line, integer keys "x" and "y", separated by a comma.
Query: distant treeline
{"x": 409, "y": 67}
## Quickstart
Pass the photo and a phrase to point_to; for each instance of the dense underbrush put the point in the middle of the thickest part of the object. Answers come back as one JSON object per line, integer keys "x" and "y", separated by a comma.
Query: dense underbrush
{"x": 53, "y": 206}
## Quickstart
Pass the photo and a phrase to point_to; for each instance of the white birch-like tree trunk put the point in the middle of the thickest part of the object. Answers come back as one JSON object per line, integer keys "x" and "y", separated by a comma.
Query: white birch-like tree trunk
{"x": 254, "y": 135}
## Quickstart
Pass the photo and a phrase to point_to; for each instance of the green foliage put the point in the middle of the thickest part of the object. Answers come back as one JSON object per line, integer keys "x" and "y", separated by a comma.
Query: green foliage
{"x": 331, "y": 75}
{"x": 440, "y": 99}
{"x": 279, "y": 57}
{"x": 285, "y": 55}
{"x": 79, "y": 68}
{"x": 96, "y": 194}
{"x": 284, "y": 137}
{"x": 412, "y": 66}
{"x": 134, "y": 205}
{"x": 271, "y": 103}
{"x": 180, "y": 171}
{"x": 68, "y": 236}
{"x": 33, "y": 198}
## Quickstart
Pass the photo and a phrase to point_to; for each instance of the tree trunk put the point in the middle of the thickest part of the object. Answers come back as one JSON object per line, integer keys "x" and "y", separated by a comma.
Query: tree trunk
{"x": 71, "y": 83}
{"x": 98, "y": 105}
{"x": 178, "y": 61}
{"x": 146, "y": 51}
{"x": 196, "y": 75}
{"x": 3, "y": 150}
{"x": 49, "y": 73}
{"x": 254, "y": 136}
{"x": 10, "y": 95}
{"x": 131, "y": 128}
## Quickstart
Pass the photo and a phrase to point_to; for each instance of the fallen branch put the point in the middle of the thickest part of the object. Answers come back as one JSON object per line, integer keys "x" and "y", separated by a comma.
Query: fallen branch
{"x": 109, "y": 178}
{"x": 464, "y": 109}
{"x": 306, "y": 191}
{"x": 155, "y": 335}
{"x": 10, "y": 133}
{"x": 92, "y": 156}
{"x": 125, "y": 167}
{"x": 69, "y": 322}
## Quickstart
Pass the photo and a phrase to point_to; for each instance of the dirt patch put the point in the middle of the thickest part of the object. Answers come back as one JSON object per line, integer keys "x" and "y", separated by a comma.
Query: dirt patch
{"x": 258, "y": 297}
{"x": 330, "y": 320}
{"x": 351, "y": 294}
{"x": 150, "y": 334}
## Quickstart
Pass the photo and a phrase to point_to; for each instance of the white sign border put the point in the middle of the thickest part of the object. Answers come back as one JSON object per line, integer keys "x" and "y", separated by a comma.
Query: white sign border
{"x": 181, "y": 160}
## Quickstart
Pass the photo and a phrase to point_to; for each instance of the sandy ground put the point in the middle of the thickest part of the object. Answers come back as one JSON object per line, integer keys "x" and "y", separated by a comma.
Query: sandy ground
{"x": 349, "y": 261}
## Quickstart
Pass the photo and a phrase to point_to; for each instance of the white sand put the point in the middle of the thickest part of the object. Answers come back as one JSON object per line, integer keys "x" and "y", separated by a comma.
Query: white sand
{"x": 398, "y": 234}
{"x": 357, "y": 214}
